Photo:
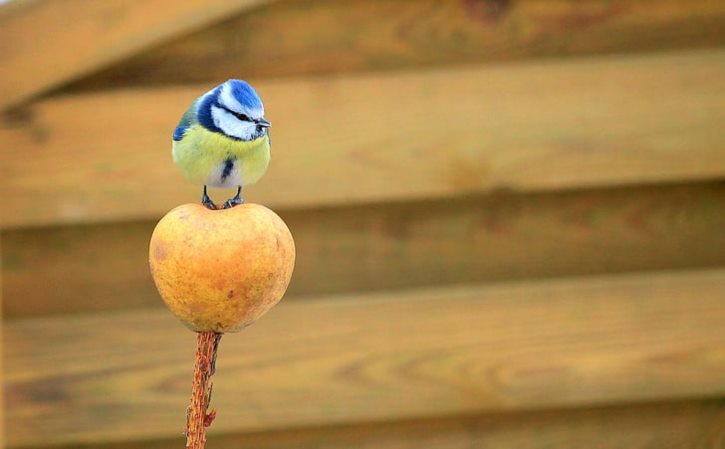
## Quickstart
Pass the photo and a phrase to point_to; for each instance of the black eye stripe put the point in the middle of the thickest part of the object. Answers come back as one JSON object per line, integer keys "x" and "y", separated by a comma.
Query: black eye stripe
{"x": 242, "y": 117}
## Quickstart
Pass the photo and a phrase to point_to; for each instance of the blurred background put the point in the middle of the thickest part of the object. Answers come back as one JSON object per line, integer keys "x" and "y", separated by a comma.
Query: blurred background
{"x": 509, "y": 216}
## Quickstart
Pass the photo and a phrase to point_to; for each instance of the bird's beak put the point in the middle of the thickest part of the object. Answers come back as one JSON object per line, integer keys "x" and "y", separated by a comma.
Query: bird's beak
{"x": 262, "y": 122}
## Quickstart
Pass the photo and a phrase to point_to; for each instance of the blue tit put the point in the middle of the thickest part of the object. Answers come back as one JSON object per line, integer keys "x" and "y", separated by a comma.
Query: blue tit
{"x": 222, "y": 140}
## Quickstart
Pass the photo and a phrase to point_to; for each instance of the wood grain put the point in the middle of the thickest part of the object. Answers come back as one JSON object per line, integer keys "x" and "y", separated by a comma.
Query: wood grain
{"x": 538, "y": 126}
{"x": 314, "y": 37}
{"x": 414, "y": 354}
{"x": 503, "y": 236}
{"x": 46, "y": 43}
{"x": 692, "y": 424}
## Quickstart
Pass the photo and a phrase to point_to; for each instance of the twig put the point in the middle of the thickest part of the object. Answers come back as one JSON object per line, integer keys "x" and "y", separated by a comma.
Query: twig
{"x": 197, "y": 418}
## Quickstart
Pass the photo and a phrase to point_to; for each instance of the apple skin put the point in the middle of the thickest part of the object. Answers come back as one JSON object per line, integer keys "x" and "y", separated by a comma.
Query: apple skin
{"x": 220, "y": 270}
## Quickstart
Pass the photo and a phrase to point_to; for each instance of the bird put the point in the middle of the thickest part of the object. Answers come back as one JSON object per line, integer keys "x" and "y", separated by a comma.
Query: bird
{"x": 222, "y": 140}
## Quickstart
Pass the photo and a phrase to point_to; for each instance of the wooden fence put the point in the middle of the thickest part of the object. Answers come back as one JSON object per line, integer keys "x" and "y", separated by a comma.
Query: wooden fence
{"x": 509, "y": 215}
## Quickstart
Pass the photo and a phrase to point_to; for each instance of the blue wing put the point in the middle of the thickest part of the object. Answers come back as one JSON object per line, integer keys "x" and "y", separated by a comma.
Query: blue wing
{"x": 179, "y": 132}
{"x": 188, "y": 119}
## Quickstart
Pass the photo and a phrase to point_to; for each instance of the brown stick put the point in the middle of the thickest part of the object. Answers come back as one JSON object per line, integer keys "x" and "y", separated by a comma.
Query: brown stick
{"x": 197, "y": 418}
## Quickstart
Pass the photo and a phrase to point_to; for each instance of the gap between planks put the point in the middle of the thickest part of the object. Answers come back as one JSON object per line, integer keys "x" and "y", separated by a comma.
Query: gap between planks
{"x": 329, "y": 37}
{"x": 664, "y": 425}
{"x": 496, "y": 237}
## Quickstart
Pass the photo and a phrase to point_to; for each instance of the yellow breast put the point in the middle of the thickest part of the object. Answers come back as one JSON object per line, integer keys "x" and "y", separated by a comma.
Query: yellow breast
{"x": 210, "y": 158}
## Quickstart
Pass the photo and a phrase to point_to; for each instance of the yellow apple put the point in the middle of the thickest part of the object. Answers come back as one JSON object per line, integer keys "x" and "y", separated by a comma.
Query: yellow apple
{"x": 220, "y": 270}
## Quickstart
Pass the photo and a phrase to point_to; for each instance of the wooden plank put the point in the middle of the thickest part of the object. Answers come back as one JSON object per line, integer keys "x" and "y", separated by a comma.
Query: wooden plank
{"x": 415, "y": 354}
{"x": 540, "y": 126}
{"x": 47, "y": 43}
{"x": 396, "y": 245}
{"x": 2, "y": 365}
{"x": 676, "y": 425}
{"x": 323, "y": 37}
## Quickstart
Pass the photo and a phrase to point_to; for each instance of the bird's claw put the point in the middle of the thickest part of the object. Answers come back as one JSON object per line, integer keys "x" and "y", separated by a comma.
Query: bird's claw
{"x": 209, "y": 204}
{"x": 232, "y": 202}
{"x": 206, "y": 201}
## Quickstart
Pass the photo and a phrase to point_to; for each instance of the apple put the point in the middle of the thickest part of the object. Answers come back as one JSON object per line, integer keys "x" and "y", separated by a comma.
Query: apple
{"x": 220, "y": 270}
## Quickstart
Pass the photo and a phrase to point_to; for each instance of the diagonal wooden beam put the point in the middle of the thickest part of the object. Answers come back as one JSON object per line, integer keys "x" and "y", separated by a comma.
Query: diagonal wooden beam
{"x": 46, "y": 43}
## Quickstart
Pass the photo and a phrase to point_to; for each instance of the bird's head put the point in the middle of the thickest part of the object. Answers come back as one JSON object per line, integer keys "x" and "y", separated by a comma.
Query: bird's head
{"x": 235, "y": 110}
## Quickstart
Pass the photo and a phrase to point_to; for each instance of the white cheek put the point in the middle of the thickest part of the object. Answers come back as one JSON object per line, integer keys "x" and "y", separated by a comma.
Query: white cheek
{"x": 232, "y": 126}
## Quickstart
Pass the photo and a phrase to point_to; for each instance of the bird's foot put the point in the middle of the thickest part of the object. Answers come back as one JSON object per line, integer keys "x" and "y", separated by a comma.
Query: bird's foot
{"x": 209, "y": 204}
{"x": 233, "y": 202}
{"x": 206, "y": 201}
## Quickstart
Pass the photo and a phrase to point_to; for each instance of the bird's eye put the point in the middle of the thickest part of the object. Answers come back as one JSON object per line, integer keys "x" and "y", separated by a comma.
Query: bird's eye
{"x": 242, "y": 117}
